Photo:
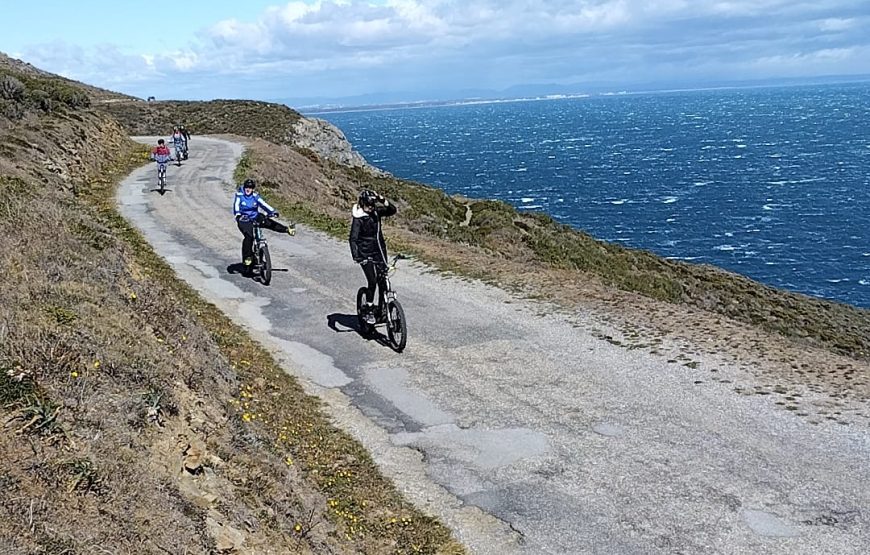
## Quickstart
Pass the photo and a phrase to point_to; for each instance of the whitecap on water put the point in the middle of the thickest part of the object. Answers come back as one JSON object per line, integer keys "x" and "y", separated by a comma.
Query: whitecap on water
{"x": 864, "y": 281}
{"x": 669, "y": 200}
{"x": 841, "y": 280}
{"x": 620, "y": 201}
{"x": 527, "y": 200}
{"x": 725, "y": 248}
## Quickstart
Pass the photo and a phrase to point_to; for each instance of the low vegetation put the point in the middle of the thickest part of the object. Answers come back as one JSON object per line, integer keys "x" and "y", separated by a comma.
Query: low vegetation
{"x": 264, "y": 120}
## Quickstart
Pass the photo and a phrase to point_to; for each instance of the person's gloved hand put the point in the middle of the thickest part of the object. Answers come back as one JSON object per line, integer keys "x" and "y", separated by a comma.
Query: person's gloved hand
{"x": 274, "y": 215}
{"x": 238, "y": 217}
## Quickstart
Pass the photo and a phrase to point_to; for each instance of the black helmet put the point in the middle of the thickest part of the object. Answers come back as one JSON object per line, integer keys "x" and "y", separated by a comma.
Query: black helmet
{"x": 367, "y": 198}
{"x": 249, "y": 184}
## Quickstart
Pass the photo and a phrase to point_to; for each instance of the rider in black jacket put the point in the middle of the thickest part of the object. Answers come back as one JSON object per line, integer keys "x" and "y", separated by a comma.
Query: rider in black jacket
{"x": 367, "y": 244}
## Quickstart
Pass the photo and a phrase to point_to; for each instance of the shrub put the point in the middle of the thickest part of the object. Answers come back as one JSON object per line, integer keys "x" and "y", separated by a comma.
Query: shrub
{"x": 11, "y": 88}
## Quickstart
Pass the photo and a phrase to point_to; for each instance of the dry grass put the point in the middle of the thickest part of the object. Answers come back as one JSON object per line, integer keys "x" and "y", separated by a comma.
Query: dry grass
{"x": 272, "y": 122}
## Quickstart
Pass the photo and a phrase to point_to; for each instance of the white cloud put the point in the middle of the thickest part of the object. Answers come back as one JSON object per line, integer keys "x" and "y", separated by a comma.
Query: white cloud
{"x": 836, "y": 24}
{"x": 331, "y": 47}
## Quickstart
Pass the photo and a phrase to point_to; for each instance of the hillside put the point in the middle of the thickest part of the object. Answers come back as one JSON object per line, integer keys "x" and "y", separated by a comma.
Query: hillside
{"x": 24, "y": 71}
{"x": 275, "y": 123}
{"x": 137, "y": 418}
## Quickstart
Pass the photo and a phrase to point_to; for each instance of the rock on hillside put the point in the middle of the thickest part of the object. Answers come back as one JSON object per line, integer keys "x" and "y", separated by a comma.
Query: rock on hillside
{"x": 328, "y": 142}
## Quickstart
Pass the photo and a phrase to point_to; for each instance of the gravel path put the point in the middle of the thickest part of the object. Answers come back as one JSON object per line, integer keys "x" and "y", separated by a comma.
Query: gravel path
{"x": 519, "y": 428}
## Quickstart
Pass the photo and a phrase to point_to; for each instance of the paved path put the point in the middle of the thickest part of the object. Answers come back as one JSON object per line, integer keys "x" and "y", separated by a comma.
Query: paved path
{"x": 536, "y": 437}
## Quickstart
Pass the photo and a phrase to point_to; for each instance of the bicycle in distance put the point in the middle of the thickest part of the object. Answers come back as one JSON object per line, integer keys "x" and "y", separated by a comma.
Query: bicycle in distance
{"x": 162, "y": 161}
{"x": 180, "y": 152}
{"x": 161, "y": 176}
{"x": 388, "y": 311}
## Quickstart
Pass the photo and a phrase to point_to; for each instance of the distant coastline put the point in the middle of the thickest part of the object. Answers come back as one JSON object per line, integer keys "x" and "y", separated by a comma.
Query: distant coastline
{"x": 336, "y": 107}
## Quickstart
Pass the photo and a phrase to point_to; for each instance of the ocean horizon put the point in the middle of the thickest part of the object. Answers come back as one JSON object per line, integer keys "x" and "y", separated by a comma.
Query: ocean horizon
{"x": 768, "y": 182}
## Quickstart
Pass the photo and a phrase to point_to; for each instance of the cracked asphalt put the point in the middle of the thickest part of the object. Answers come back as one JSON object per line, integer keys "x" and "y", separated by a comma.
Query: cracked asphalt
{"x": 516, "y": 425}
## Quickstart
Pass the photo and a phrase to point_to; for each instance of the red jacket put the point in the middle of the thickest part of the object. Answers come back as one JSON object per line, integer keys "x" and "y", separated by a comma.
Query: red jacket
{"x": 161, "y": 150}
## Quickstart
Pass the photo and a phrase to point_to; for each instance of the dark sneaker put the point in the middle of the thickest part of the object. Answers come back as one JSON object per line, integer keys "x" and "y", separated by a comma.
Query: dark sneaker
{"x": 369, "y": 312}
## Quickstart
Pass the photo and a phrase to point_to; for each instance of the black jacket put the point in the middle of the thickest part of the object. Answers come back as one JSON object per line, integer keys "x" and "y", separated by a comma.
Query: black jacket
{"x": 366, "y": 237}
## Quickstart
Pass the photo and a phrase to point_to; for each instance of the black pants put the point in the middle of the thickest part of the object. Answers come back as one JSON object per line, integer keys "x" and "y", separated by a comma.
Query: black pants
{"x": 247, "y": 229}
{"x": 376, "y": 274}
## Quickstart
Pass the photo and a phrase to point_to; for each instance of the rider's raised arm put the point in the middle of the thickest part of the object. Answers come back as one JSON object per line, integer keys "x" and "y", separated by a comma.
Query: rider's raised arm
{"x": 265, "y": 205}
{"x": 387, "y": 210}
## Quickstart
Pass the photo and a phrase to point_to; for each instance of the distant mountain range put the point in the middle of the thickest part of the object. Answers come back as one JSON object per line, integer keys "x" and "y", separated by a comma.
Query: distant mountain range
{"x": 536, "y": 90}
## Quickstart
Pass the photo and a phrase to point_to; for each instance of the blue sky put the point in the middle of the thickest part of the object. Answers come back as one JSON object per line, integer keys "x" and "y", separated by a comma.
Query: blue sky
{"x": 336, "y": 48}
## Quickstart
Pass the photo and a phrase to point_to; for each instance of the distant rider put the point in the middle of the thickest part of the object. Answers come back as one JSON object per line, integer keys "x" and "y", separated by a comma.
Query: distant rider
{"x": 160, "y": 153}
{"x": 367, "y": 245}
{"x": 246, "y": 208}
{"x": 180, "y": 144}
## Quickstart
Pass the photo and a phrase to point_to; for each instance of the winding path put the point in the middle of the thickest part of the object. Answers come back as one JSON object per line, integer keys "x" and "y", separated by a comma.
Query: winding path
{"x": 536, "y": 437}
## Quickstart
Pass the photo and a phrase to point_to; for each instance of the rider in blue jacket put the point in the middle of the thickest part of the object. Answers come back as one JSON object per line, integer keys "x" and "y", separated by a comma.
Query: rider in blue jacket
{"x": 247, "y": 207}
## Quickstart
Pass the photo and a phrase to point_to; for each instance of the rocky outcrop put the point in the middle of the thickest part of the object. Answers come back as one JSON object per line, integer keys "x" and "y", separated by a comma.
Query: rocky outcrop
{"x": 329, "y": 143}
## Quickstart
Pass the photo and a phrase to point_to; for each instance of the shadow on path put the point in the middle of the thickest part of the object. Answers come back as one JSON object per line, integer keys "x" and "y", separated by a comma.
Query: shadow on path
{"x": 239, "y": 268}
{"x": 344, "y": 323}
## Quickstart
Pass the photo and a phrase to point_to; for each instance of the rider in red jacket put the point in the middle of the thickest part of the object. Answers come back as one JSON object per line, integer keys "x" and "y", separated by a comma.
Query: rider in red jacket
{"x": 161, "y": 152}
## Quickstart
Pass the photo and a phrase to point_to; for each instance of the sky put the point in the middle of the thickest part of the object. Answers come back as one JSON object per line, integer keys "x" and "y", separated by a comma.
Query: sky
{"x": 325, "y": 49}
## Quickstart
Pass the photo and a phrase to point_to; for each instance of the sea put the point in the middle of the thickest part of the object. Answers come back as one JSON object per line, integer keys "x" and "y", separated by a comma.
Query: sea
{"x": 772, "y": 183}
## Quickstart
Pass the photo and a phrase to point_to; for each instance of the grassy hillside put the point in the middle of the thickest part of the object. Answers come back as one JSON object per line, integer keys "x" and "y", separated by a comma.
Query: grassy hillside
{"x": 492, "y": 240}
{"x": 137, "y": 418}
{"x": 263, "y": 120}
{"x": 25, "y": 71}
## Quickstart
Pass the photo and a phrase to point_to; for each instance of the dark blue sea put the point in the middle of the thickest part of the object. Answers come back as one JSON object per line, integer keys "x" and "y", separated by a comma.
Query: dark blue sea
{"x": 773, "y": 183}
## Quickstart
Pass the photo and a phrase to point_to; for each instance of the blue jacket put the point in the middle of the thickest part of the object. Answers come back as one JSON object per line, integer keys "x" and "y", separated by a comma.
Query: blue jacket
{"x": 249, "y": 206}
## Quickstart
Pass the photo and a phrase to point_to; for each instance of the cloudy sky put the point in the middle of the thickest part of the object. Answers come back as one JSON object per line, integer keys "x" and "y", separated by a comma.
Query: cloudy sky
{"x": 337, "y": 48}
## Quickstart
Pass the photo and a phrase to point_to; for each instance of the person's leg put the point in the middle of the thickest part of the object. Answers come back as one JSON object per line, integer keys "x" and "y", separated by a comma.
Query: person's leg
{"x": 247, "y": 229}
{"x": 371, "y": 281}
{"x": 382, "y": 289}
{"x": 278, "y": 227}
